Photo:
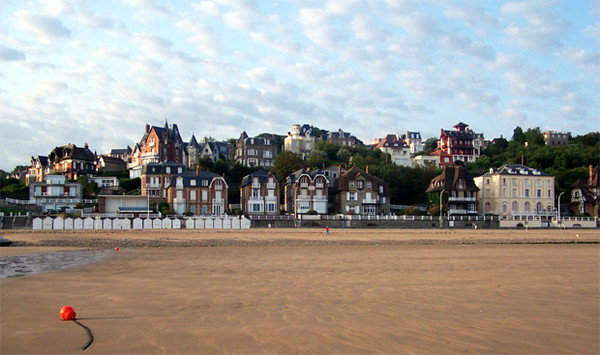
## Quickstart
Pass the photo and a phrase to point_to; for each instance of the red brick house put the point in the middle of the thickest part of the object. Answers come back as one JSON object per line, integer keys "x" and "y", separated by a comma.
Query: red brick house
{"x": 462, "y": 144}
{"x": 158, "y": 144}
{"x": 72, "y": 161}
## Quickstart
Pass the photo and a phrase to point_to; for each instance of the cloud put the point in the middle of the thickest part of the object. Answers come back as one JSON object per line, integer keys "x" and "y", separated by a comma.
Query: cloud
{"x": 541, "y": 31}
{"x": 318, "y": 27}
{"x": 45, "y": 28}
{"x": 471, "y": 14}
{"x": 367, "y": 29}
{"x": 9, "y": 54}
{"x": 237, "y": 21}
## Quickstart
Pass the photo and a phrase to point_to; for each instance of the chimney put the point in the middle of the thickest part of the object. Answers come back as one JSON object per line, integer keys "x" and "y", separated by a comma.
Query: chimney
{"x": 591, "y": 172}
{"x": 147, "y": 128}
{"x": 339, "y": 170}
{"x": 197, "y": 169}
{"x": 367, "y": 169}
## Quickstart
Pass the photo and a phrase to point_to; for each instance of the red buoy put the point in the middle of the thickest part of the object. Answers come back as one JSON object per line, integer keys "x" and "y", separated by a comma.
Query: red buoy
{"x": 117, "y": 249}
{"x": 67, "y": 313}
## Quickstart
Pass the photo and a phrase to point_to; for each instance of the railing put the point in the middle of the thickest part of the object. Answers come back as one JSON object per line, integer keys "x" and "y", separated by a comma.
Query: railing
{"x": 369, "y": 201}
{"x": 459, "y": 198}
{"x": 19, "y": 202}
{"x": 256, "y": 185}
{"x": 271, "y": 185}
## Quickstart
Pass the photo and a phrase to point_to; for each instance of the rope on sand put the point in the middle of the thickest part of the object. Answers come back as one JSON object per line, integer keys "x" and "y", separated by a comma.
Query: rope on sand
{"x": 89, "y": 334}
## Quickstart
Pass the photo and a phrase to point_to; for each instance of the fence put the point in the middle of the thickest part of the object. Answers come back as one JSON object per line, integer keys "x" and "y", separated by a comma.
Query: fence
{"x": 90, "y": 223}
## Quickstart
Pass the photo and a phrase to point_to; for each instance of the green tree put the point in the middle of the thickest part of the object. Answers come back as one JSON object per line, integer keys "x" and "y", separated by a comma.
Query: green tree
{"x": 285, "y": 163}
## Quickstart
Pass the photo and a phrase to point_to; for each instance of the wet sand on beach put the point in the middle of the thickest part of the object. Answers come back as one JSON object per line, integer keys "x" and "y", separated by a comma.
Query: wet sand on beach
{"x": 299, "y": 291}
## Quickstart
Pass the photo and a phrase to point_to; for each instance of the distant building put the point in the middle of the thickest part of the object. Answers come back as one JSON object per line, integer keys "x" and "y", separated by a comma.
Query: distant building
{"x": 397, "y": 148}
{"x": 427, "y": 160}
{"x": 122, "y": 153}
{"x": 108, "y": 185}
{"x": 556, "y": 138}
{"x": 158, "y": 144}
{"x": 38, "y": 169}
{"x": 259, "y": 193}
{"x": 306, "y": 190}
{"x": 207, "y": 148}
{"x": 341, "y": 138}
{"x": 455, "y": 186}
{"x": 72, "y": 161}
{"x": 111, "y": 164}
{"x": 516, "y": 191}
{"x": 255, "y": 151}
{"x": 55, "y": 193}
{"x": 414, "y": 141}
{"x": 358, "y": 192}
{"x": 301, "y": 140}
{"x": 462, "y": 144}
{"x": 202, "y": 193}
{"x": 585, "y": 194}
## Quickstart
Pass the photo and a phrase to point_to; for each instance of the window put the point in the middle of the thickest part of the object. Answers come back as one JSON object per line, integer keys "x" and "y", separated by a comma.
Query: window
{"x": 526, "y": 192}
{"x": 361, "y": 184}
{"x": 539, "y": 193}
{"x": 193, "y": 195}
{"x": 368, "y": 184}
{"x": 351, "y": 196}
{"x": 271, "y": 207}
{"x": 351, "y": 184}
{"x": 204, "y": 182}
{"x": 193, "y": 182}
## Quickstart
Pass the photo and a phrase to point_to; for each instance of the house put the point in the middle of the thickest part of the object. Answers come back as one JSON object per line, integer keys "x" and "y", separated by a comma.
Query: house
{"x": 414, "y": 141}
{"x": 158, "y": 144}
{"x": 430, "y": 160}
{"x": 457, "y": 184}
{"x": 585, "y": 194}
{"x": 255, "y": 151}
{"x": 516, "y": 191}
{"x": 201, "y": 193}
{"x": 340, "y": 138}
{"x": 156, "y": 178}
{"x": 462, "y": 144}
{"x": 113, "y": 205}
{"x": 38, "y": 169}
{"x": 443, "y": 158}
{"x": 55, "y": 193}
{"x": 301, "y": 140}
{"x": 121, "y": 153}
{"x": 358, "y": 192}
{"x": 305, "y": 191}
{"x": 111, "y": 164}
{"x": 333, "y": 171}
{"x": 556, "y": 138}
{"x": 72, "y": 161}
{"x": 259, "y": 193}
{"x": 399, "y": 151}
{"x": 108, "y": 185}
{"x": 210, "y": 148}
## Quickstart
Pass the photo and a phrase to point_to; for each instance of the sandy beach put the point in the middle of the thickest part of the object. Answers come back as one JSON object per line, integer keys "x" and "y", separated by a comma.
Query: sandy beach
{"x": 280, "y": 291}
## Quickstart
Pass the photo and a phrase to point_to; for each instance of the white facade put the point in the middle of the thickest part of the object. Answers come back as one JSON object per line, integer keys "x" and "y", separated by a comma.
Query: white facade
{"x": 516, "y": 191}
{"x": 55, "y": 193}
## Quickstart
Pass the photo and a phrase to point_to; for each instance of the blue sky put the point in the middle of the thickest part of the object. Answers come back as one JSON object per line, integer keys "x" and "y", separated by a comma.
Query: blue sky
{"x": 97, "y": 71}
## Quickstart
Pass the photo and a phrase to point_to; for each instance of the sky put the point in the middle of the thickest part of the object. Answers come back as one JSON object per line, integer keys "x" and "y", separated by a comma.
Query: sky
{"x": 97, "y": 71}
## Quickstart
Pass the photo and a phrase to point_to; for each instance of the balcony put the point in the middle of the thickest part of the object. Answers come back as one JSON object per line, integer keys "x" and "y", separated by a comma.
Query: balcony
{"x": 462, "y": 199}
{"x": 255, "y": 198}
{"x": 271, "y": 185}
{"x": 256, "y": 185}
{"x": 319, "y": 185}
{"x": 369, "y": 201}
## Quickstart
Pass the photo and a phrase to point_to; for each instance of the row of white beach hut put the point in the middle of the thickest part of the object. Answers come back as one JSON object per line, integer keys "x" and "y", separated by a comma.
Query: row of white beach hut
{"x": 58, "y": 223}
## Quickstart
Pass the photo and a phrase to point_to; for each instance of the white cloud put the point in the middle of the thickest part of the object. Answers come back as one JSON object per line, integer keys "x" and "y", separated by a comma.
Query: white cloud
{"x": 9, "y": 54}
{"x": 318, "y": 26}
{"x": 367, "y": 29}
{"x": 46, "y": 29}
{"x": 237, "y": 21}
{"x": 542, "y": 30}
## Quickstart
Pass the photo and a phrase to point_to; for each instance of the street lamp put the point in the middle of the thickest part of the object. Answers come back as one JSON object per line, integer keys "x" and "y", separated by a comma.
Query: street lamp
{"x": 559, "y": 206}
{"x": 441, "y": 215}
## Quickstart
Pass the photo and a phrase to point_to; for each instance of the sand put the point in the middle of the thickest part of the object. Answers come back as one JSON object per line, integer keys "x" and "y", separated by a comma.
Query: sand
{"x": 280, "y": 291}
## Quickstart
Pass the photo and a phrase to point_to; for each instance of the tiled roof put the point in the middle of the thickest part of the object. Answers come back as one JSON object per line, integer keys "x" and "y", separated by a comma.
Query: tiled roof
{"x": 262, "y": 177}
{"x": 449, "y": 177}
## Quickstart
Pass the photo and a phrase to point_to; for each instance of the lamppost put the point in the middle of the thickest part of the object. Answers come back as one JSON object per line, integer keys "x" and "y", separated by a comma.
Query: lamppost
{"x": 441, "y": 214}
{"x": 559, "y": 206}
